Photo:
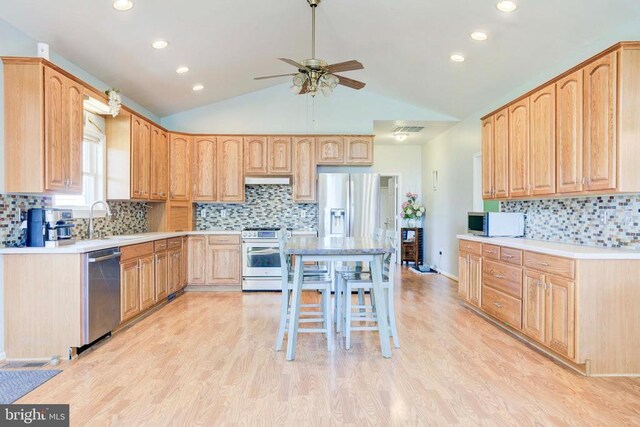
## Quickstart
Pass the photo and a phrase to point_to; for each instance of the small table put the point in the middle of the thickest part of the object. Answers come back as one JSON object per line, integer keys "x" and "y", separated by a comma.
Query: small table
{"x": 347, "y": 249}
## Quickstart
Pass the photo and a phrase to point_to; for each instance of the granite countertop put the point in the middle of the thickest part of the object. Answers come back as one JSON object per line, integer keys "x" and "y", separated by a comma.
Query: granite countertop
{"x": 336, "y": 246}
{"x": 558, "y": 249}
{"x": 84, "y": 246}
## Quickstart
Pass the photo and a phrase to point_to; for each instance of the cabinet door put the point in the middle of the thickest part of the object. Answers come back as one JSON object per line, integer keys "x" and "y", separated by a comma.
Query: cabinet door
{"x": 569, "y": 109}
{"x": 159, "y": 164}
{"x": 463, "y": 276}
{"x": 230, "y": 169}
{"x": 223, "y": 265}
{"x": 255, "y": 155}
{"x": 147, "y": 282}
{"x": 140, "y": 158}
{"x": 204, "y": 168}
{"x": 197, "y": 250}
{"x": 175, "y": 267}
{"x": 56, "y": 139}
{"x": 560, "y": 305}
{"x": 501, "y": 154}
{"x": 179, "y": 167}
{"x": 304, "y": 170}
{"x": 330, "y": 150}
{"x": 279, "y": 155}
{"x": 487, "y": 158}
{"x": 74, "y": 117}
{"x": 543, "y": 141}
{"x": 600, "y": 105}
{"x": 475, "y": 280}
{"x": 162, "y": 275}
{"x": 533, "y": 302}
{"x": 129, "y": 290}
{"x": 519, "y": 148}
{"x": 359, "y": 150}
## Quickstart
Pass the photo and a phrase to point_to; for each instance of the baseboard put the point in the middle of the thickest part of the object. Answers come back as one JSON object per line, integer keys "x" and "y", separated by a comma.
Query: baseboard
{"x": 445, "y": 274}
{"x": 3, "y": 356}
{"x": 216, "y": 288}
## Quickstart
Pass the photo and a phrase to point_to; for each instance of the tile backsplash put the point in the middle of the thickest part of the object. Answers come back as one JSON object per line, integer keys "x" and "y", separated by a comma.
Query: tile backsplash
{"x": 607, "y": 221}
{"x": 127, "y": 218}
{"x": 265, "y": 206}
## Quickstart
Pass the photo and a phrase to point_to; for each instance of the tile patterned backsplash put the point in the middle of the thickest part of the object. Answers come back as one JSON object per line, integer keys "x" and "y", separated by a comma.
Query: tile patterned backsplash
{"x": 265, "y": 206}
{"x": 127, "y": 218}
{"x": 582, "y": 220}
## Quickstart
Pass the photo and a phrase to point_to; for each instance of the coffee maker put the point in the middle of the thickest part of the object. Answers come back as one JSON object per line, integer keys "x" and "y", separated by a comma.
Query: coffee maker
{"x": 49, "y": 227}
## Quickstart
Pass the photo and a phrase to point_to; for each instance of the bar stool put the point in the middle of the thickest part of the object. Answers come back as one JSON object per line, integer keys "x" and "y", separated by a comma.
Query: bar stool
{"x": 311, "y": 282}
{"x": 360, "y": 282}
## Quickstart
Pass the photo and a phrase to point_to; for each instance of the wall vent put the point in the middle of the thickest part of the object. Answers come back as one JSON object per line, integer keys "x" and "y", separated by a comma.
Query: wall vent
{"x": 407, "y": 129}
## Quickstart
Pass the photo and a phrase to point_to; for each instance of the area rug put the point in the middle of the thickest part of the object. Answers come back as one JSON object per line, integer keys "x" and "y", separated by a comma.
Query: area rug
{"x": 423, "y": 269}
{"x": 15, "y": 384}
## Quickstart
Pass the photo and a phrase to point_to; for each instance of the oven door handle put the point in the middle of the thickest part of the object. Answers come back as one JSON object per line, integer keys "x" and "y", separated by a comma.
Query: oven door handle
{"x": 266, "y": 251}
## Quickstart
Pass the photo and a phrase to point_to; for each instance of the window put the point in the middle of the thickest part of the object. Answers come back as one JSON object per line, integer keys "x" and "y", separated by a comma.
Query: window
{"x": 93, "y": 169}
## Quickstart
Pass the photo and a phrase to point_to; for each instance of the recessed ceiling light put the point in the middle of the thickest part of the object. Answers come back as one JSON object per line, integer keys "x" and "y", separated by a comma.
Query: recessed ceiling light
{"x": 160, "y": 44}
{"x": 506, "y": 6}
{"x": 456, "y": 57}
{"x": 182, "y": 70}
{"x": 198, "y": 88}
{"x": 479, "y": 36}
{"x": 122, "y": 5}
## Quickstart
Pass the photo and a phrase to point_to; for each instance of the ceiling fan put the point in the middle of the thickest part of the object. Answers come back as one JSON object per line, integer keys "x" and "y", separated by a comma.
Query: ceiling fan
{"x": 315, "y": 74}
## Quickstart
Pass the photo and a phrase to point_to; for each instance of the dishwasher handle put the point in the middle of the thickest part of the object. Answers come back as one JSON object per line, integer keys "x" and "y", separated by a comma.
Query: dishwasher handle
{"x": 106, "y": 257}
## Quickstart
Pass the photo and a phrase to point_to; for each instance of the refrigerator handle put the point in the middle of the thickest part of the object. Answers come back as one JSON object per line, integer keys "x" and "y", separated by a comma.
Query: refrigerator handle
{"x": 350, "y": 207}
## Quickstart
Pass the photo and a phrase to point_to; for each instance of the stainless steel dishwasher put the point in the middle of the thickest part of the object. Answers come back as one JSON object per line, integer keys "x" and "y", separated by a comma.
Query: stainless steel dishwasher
{"x": 101, "y": 293}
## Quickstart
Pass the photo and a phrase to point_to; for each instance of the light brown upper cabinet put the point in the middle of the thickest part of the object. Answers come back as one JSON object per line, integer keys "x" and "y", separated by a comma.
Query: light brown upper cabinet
{"x": 204, "y": 168}
{"x": 600, "y": 141}
{"x": 519, "y": 148}
{"x": 487, "y": 157}
{"x": 330, "y": 150}
{"x": 501, "y": 154}
{"x": 279, "y": 155}
{"x": 569, "y": 140}
{"x": 543, "y": 141}
{"x": 140, "y": 158}
{"x": 230, "y": 169}
{"x": 359, "y": 150}
{"x": 179, "y": 166}
{"x": 255, "y": 155}
{"x": 159, "y": 164}
{"x": 43, "y": 128}
{"x": 305, "y": 170}
{"x": 589, "y": 124}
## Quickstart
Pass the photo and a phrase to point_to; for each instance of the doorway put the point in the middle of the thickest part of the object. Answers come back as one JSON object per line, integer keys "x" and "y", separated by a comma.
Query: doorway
{"x": 389, "y": 218}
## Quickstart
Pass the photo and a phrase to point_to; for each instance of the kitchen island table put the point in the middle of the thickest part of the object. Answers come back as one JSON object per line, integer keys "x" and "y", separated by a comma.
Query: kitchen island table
{"x": 338, "y": 249}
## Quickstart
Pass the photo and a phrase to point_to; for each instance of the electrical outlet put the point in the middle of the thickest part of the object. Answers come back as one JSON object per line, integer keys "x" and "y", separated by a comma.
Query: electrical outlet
{"x": 223, "y": 213}
{"x": 303, "y": 214}
{"x": 203, "y": 213}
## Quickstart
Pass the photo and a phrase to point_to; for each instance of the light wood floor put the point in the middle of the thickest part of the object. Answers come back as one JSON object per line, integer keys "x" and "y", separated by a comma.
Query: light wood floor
{"x": 208, "y": 359}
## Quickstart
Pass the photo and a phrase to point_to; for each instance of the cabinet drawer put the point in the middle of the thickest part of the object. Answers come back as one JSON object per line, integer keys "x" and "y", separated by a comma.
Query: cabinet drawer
{"x": 224, "y": 240}
{"x": 563, "y": 267}
{"x": 136, "y": 251}
{"x": 160, "y": 245}
{"x": 502, "y": 307}
{"x": 174, "y": 243}
{"x": 470, "y": 247}
{"x": 505, "y": 278}
{"x": 512, "y": 256}
{"x": 491, "y": 251}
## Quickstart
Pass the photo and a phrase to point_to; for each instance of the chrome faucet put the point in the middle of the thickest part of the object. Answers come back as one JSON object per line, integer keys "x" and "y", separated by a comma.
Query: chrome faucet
{"x": 97, "y": 202}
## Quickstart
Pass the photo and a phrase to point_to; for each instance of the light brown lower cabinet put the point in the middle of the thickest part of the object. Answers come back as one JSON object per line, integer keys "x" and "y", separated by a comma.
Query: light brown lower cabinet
{"x": 214, "y": 260}
{"x": 175, "y": 265}
{"x": 129, "y": 290}
{"x": 146, "y": 266}
{"x": 162, "y": 275}
{"x": 578, "y": 311}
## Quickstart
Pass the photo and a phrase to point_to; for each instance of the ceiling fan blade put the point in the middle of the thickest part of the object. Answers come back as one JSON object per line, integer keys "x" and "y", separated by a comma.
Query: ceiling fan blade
{"x": 345, "y": 66}
{"x": 270, "y": 77}
{"x": 353, "y": 84}
{"x": 305, "y": 89}
{"x": 294, "y": 63}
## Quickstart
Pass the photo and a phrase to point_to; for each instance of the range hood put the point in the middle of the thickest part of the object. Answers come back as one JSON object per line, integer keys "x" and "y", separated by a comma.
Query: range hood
{"x": 269, "y": 180}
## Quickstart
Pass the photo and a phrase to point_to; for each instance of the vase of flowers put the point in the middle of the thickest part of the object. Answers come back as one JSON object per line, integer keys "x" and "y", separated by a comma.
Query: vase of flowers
{"x": 412, "y": 212}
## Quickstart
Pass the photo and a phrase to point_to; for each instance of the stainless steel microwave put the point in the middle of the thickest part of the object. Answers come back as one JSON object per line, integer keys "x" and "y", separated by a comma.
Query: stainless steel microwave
{"x": 496, "y": 224}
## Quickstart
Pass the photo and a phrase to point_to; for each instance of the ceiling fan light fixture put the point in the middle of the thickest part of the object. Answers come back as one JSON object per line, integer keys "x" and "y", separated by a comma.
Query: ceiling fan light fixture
{"x": 296, "y": 89}
{"x": 400, "y": 137}
{"x": 326, "y": 90}
{"x": 330, "y": 80}
{"x": 299, "y": 79}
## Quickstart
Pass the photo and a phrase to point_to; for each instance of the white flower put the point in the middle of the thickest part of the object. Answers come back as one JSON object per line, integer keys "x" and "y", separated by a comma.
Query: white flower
{"x": 419, "y": 213}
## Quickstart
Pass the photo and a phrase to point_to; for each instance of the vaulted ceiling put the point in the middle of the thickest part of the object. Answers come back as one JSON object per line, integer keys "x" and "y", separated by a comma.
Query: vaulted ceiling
{"x": 403, "y": 44}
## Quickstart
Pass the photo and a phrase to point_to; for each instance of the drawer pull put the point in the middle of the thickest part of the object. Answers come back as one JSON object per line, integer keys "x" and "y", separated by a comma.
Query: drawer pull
{"x": 467, "y": 246}
{"x": 490, "y": 252}
{"x": 498, "y": 276}
{"x": 497, "y": 305}
{"x": 542, "y": 263}
{"x": 508, "y": 256}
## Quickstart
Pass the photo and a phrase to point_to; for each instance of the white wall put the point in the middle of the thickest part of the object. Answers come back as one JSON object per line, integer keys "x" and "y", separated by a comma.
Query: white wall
{"x": 451, "y": 153}
{"x": 13, "y": 42}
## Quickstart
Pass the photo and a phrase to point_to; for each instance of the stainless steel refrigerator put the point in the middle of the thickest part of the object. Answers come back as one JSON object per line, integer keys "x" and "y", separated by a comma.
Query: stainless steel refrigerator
{"x": 348, "y": 204}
